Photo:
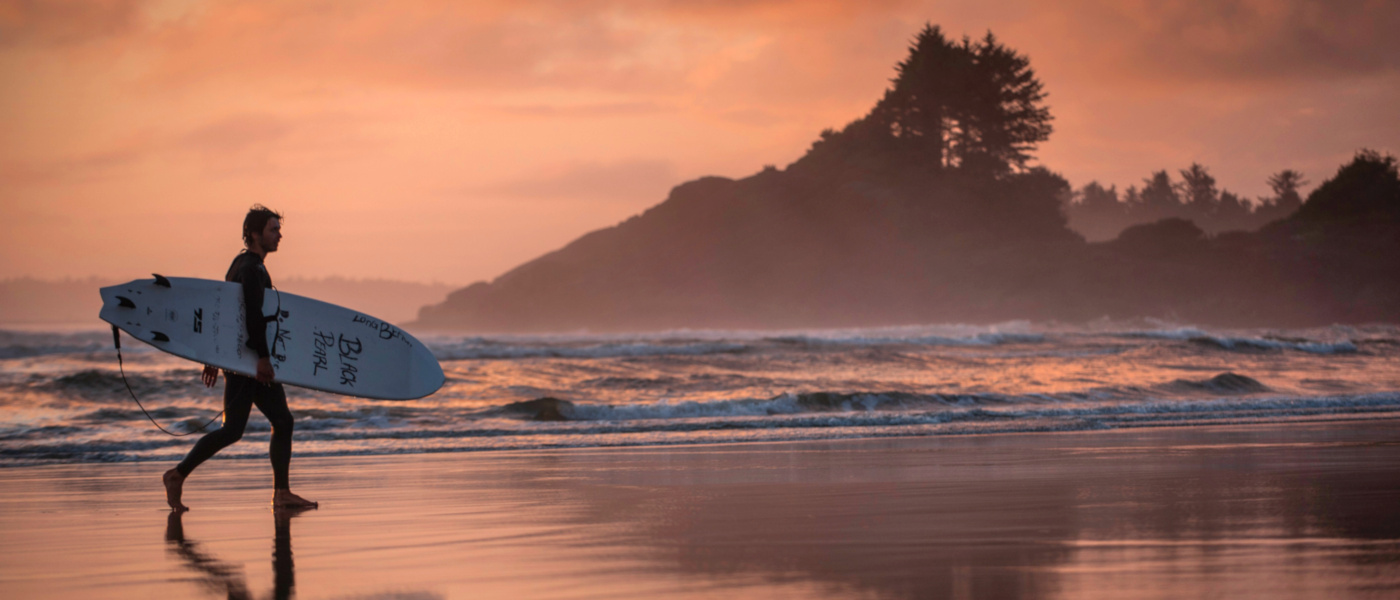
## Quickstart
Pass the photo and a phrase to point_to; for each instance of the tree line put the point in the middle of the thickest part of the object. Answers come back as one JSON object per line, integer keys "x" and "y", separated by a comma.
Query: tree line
{"x": 967, "y": 106}
{"x": 1100, "y": 213}
{"x": 970, "y": 112}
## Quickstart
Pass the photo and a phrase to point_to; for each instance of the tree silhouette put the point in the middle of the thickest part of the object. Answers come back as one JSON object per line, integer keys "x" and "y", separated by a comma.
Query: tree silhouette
{"x": 1365, "y": 190}
{"x": 1198, "y": 190}
{"x": 1232, "y": 213}
{"x": 1159, "y": 198}
{"x": 918, "y": 111}
{"x": 1096, "y": 212}
{"x": 1003, "y": 119}
{"x": 1286, "y": 198}
{"x": 971, "y": 105}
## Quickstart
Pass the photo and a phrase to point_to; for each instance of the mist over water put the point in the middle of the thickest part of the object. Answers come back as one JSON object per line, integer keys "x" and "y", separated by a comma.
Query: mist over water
{"x": 62, "y": 398}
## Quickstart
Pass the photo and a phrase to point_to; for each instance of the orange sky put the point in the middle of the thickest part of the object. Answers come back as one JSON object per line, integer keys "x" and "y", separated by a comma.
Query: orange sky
{"x": 450, "y": 141}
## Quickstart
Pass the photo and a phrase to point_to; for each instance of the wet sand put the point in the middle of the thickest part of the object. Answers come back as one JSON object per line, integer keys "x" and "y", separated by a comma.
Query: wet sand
{"x": 1306, "y": 510}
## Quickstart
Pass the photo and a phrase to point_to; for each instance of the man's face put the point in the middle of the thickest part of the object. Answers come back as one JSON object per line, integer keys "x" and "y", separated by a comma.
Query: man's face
{"x": 271, "y": 235}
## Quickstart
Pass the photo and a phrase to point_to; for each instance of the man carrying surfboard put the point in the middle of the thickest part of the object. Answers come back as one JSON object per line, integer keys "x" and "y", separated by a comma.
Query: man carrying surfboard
{"x": 262, "y": 232}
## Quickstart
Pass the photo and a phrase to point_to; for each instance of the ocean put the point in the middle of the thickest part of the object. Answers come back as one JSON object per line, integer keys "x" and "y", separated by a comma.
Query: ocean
{"x": 63, "y": 400}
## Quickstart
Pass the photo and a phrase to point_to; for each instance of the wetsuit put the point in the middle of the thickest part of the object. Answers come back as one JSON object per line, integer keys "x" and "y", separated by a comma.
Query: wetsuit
{"x": 242, "y": 392}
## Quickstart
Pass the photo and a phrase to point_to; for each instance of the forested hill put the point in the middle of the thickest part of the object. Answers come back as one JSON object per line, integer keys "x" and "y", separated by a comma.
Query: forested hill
{"x": 926, "y": 210}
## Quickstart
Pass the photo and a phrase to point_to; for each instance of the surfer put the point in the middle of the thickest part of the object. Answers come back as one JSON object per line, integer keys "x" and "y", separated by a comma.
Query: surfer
{"x": 262, "y": 232}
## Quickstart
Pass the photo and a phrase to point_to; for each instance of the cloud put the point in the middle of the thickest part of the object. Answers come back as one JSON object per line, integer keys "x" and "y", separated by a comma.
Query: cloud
{"x": 1228, "y": 41}
{"x": 65, "y": 22}
{"x": 238, "y": 143}
{"x": 86, "y": 167}
{"x": 440, "y": 45}
{"x": 238, "y": 133}
{"x": 590, "y": 110}
{"x": 612, "y": 45}
{"x": 674, "y": 47}
{"x": 628, "y": 181}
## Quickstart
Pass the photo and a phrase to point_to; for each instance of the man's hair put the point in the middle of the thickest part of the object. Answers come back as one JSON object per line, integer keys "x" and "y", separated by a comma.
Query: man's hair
{"x": 257, "y": 219}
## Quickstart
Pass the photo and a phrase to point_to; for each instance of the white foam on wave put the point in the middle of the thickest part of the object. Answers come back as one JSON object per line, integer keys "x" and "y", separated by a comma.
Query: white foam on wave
{"x": 498, "y": 350}
{"x": 1249, "y": 343}
{"x": 723, "y": 422}
{"x": 979, "y": 339}
{"x": 1180, "y": 333}
{"x": 684, "y": 342}
{"x": 1228, "y": 342}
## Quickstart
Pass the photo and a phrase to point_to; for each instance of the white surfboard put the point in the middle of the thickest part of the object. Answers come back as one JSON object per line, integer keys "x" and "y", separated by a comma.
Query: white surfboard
{"x": 314, "y": 344}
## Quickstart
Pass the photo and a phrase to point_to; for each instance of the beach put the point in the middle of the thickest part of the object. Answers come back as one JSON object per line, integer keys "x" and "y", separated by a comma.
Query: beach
{"x": 1286, "y": 510}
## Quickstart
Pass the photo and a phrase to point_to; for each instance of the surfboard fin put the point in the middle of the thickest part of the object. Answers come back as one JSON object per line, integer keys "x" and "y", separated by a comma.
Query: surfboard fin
{"x": 124, "y": 302}
{"x": 161, "y": 280}
{"x": 157, "y": 336}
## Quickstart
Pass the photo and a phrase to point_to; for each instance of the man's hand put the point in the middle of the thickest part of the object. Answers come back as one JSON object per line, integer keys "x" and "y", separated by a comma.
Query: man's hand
{"x": 264, "y": 370}
{"x": 210, "y": 376}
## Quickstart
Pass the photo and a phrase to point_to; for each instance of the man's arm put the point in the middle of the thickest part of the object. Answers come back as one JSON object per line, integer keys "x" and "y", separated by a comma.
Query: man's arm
{"x": 251, "y": 278}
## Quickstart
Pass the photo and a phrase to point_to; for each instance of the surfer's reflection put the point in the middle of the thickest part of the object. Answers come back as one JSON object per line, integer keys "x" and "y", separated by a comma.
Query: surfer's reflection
{"x": 219, "y": 576}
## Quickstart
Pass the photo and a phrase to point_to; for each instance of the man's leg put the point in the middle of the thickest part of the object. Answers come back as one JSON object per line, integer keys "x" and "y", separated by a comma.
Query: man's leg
{"x": 237, "y": 404}
{"x": 272, "y": 401}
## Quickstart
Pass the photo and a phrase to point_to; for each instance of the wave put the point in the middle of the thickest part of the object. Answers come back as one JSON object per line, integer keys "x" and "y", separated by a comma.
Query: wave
{"x": 38, "y": 432}
{"x": 94, "y": 384}
{"x": 692, "y": 343}
{"x": 1257, "y": 344}
{"x": 1181, "y": 333}
{"x": 478, "y": 348}
{"x": 554, "y": 409}
{"x": 1246, "y": 343}
{"x": 100, "y": 388}
{"x": 980, "y": 339}
{"x": 1224, "y": 383}
{"x": 22, "y": 344}
{"x": 630, "y": 389}
{"x": 954, "y": 420}
{"x": 1135, "y": 412}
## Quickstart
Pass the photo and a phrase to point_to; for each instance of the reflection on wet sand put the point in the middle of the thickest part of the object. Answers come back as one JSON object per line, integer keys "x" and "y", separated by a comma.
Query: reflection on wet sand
{"x": 1173, "y": 513}
{"x": 1296, "y": 511}
{"x": 221, "y": 577}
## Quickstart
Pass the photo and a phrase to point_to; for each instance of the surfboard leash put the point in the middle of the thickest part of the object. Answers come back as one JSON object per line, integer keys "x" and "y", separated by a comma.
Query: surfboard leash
{"x": 117, "y": 341}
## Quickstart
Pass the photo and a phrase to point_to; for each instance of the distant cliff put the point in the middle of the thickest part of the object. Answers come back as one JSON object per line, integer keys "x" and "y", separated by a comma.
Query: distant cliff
{"x": 771, "y": 250}
{"x": 924, "y": 211}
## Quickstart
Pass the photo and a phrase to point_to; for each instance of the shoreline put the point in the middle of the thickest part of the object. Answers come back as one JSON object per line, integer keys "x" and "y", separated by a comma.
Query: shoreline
{"x": 1257, "y": 511}
{"x": 250, "y": 448}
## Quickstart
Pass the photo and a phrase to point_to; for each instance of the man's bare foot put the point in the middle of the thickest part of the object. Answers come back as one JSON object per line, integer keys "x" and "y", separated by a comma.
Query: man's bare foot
{"x": 284, "y": 514}
{"x": 174, "y": 487}
{"x": 286, "y": 499}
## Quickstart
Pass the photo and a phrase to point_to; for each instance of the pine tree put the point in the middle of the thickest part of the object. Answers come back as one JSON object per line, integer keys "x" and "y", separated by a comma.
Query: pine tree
{"x": 1159, "y": 198}
{"x": 1097, "y": 214}
{"x": 1199, "y": 193}
{"x": 1286, "y": 185}
{"x": 1232, "y": 213}
{"x": 918, "y": 110}
{"x": 970, "y": 105}
{"x": 1003, "y": 119}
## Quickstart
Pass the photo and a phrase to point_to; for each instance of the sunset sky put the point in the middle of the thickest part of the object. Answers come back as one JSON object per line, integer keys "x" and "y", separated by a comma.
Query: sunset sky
{"x": 450, "y": 141}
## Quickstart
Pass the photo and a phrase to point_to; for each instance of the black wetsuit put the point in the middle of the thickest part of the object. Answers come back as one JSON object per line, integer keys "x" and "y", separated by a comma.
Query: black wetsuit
{"x": 242, "y": 392}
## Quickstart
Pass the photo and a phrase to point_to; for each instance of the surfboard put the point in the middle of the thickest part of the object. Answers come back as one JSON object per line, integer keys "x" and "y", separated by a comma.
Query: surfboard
{"x": 314, "y": 344}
